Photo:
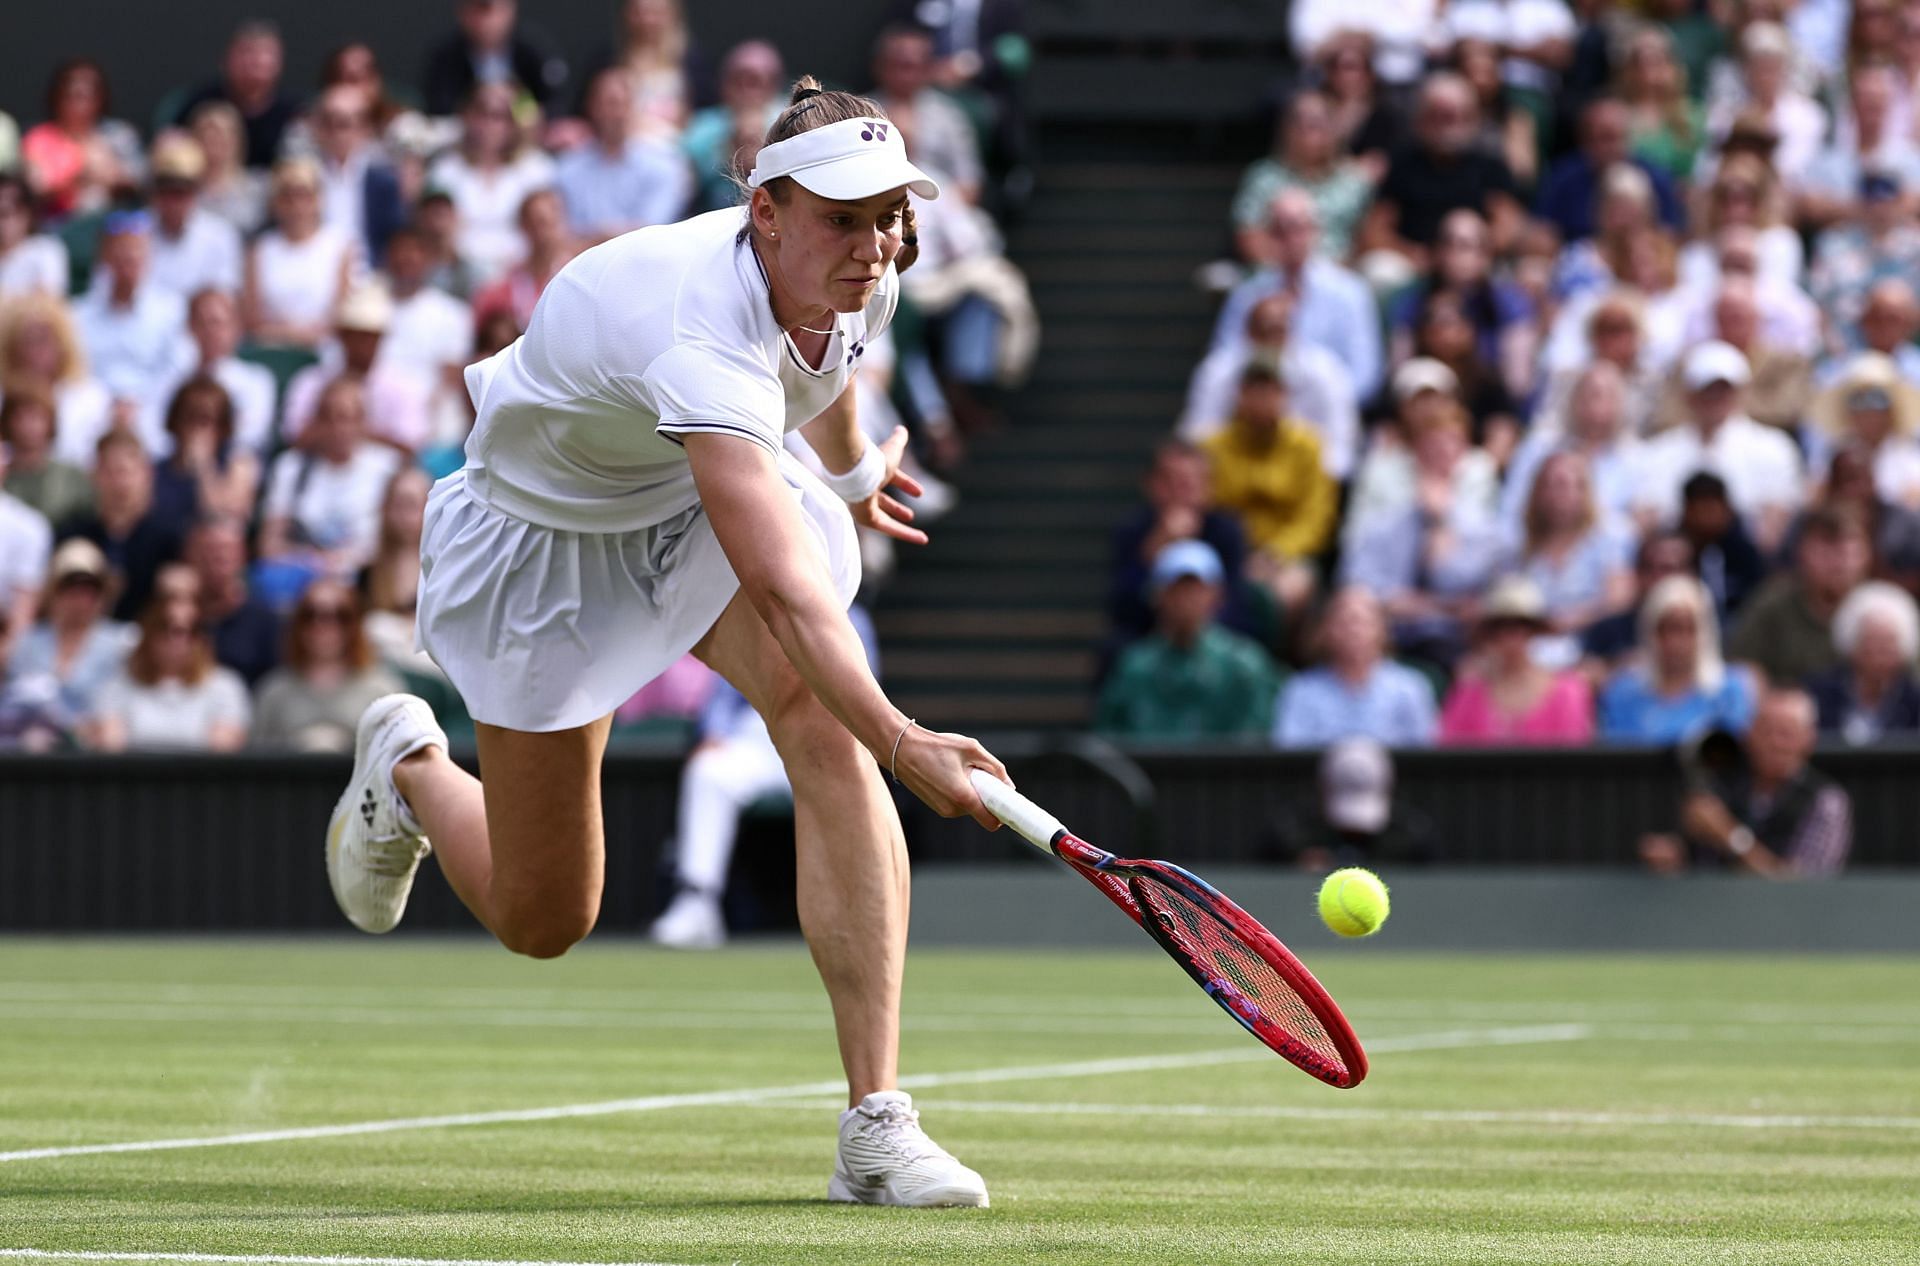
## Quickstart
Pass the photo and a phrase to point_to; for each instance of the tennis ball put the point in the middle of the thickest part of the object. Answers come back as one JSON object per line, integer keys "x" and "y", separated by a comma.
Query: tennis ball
{"x": 1353, "y": 902}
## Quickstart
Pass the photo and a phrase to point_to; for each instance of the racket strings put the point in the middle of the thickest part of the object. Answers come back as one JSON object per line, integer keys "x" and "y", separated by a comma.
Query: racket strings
{"x": 1222, "y": 955}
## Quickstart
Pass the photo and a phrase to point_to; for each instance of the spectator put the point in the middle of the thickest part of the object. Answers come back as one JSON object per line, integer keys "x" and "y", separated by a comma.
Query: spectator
{"x": 193, "y": 249}
{"x": 1665, "y": 126}
{"x": 1394, "y": 34}
{"x": 1319, "y": 389}
{"x": 205, "y": 472}
{"x": 618, "y": 180}
{"x": 329, "y": 675}
{"x": 1760, "y": 466}
{"x": 123, "y": 523}
{"x": 1781, "y": 383}
{"x": 428, "y": 330}
{"x": 1612, "y": 334}
{"x": 298, "y": 270}
{"x": 322, "y": 507}
{"x": 359, "y": 191}
{"x": 1894, "y": 529}
{"x": 75, "y": 648}
{"x": 34, "y": 475}
{"x": 1306, "y": 155}
{"x": 1787, "y": 630}
{"x": 1267, "y": 470}
{"x": 134, "y": 330}
{"x": 1889, "y": 322}
{"x": 987, "y": 330}
{"x": 1505, "y": 338}
{"x": 1504, "y": 697}
{"x": 753, "y": 84}
{"x": 666, "y": 74}
{"x": 1368, "y": 122}
{"x": 1508, "y": 126}
{"x": 355, "y": 65}
{"x": 1596, "y": 430}
{"x": 1356, "y": 691}
{"x": 1575, "y": 558}
{"x": 1853, "y": 256}
{"x": 489, "y": 49}
{"x": 488, "y": 178}
{"x": 30, "y": 263}
{"x": 250, "y": 83}
{"x": 228, "y": 188}
{"x": 1422, "y": 530}
{"x": 549, "y": 245}
{"x": 1624, "y": 209}
{"x": 1873, "y": 410}
{"x": 942, "y": 138}
{"x": 1439, "y": 172}
{"x": 397, "y": 396}
{"x": 1354, "y": 820}
{"x": 244, "y": 631}
{"x": 1659, "y": 311}
{"x": 1677, "y": 687}
{"x": 25, "y": 543}
{"x": 1771, "y": 814}
{"x": 1829, "y": 190}
{"x": 171, "y": 694}
{"x": 390, "y": 584}
{"x": 1873, "y": 693}
{"x": 1725, "y": 556}
{"x": 1767, "y": 88}
{"x": 1743, "y": 228}
{"x": 1609, "y": 640}
{"x": 213, "y": 324}
{"x": 1568, "y": 195}
{"x": 1191, "y": 679}
{"x": 1179, "y": 507}
{"x": 40, "y": 353}
{"x": 1332, "y": 307}
{"x": 79, "y": 158}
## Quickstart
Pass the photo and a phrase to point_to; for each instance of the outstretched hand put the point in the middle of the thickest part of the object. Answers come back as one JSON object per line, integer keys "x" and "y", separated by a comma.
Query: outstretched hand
{"x": 884, "y": 513}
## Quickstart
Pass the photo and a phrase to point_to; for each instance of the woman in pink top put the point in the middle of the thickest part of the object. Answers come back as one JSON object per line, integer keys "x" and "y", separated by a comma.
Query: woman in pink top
{"x": 1504, "y": 698}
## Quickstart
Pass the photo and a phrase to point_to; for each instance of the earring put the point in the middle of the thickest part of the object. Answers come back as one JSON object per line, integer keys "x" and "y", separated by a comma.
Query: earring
{"x": 773, "y": 232}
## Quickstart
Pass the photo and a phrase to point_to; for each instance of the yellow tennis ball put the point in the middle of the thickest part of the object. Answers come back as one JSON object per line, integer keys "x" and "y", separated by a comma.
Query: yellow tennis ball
{"x": 1353, "y": 902}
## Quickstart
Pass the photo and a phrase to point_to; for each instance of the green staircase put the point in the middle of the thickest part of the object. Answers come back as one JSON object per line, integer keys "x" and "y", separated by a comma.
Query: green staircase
{"x": 996, "y": 623}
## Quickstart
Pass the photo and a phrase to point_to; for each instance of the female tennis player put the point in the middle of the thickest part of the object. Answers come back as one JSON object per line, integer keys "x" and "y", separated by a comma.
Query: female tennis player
{"x": 626, "y": 499}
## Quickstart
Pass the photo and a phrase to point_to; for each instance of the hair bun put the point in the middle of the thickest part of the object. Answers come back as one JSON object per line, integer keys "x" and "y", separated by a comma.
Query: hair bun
{"x": 804, "y": 93}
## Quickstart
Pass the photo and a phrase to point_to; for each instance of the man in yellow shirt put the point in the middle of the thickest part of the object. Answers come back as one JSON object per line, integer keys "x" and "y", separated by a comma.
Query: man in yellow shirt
{"x": 1267, "y": 472}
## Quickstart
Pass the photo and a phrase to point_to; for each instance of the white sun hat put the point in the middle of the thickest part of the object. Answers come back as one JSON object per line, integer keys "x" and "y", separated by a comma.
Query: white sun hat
{"x": 845, "y": 161}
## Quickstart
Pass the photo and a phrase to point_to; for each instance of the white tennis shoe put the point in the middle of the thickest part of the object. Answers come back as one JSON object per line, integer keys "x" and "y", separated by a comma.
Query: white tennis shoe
{"x": 374, "y": 846}
{"x": 886, "y": 1158}
{"x": 692, "y": 922}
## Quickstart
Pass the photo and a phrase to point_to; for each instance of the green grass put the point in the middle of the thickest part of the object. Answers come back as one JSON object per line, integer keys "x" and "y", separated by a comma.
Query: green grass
{"x": 112, "y": 1041}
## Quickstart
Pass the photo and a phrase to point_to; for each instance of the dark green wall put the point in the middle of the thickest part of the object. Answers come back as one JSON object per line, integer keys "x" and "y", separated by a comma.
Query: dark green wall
{"x": 151, "y": 46}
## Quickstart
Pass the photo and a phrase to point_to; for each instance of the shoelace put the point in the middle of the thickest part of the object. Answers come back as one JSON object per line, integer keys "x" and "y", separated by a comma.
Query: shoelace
{"x": 900, "y": 1129}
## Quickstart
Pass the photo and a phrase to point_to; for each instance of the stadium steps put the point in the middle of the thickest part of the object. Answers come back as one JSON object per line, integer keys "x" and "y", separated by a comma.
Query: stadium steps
{"x": 997, "y": 623}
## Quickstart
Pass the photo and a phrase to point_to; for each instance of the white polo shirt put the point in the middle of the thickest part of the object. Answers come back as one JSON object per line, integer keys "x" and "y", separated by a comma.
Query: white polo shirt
{"x": 208, "y": 254}
{"x": 657, "y": 333}
{"x": 1760, "y": 465}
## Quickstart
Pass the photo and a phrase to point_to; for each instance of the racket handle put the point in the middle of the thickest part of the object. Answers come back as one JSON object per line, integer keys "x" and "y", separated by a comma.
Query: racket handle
{"x": 1035, "y": 824}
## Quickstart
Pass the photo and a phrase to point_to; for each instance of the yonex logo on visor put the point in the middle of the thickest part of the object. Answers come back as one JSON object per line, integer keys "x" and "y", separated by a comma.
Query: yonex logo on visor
{"x": 846, "y": 161}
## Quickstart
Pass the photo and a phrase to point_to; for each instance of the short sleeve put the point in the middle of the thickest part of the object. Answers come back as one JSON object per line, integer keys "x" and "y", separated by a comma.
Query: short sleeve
{"x": 702, "y": 387}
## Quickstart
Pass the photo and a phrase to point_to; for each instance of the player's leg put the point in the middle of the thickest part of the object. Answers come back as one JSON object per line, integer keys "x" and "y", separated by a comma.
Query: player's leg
{"x": 524, "y": 850}
{"x": 524, "y": 845}
{"x": 851, "y": 854}
{"x": 853, "y": 908}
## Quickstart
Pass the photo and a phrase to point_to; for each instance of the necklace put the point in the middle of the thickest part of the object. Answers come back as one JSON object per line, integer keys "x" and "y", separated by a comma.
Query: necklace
{"x": 808, "y": 329}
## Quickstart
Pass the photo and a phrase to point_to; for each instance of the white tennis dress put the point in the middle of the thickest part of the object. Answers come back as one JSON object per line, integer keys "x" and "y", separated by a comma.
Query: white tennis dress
{"x": 571, "y": 562}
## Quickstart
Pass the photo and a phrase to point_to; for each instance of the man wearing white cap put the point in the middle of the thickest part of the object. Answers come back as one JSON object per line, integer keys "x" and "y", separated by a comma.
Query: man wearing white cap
{"x": 626, "y": 500}
{"x": 1760, "y": 464}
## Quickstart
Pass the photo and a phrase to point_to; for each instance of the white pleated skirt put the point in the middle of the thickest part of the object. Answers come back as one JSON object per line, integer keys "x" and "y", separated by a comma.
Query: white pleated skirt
{"x": 541, "y": 629}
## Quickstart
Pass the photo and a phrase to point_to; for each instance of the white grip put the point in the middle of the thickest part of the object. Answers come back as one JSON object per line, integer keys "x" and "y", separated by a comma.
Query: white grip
{"x": 1023, "y": 815}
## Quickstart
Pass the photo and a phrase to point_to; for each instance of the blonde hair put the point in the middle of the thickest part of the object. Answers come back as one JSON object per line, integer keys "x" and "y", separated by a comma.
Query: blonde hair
{"x": 1684, "y": 593}
{"x": 23, "y": 311}
{"x": 1536, "y": 525}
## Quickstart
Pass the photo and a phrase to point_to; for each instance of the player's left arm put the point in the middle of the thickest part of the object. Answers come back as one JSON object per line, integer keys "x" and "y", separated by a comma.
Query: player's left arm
{"x": 836, "y": 438}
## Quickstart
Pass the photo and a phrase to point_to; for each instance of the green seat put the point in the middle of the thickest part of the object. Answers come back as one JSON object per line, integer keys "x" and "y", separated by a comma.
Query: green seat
{"x": 80, "y": 234}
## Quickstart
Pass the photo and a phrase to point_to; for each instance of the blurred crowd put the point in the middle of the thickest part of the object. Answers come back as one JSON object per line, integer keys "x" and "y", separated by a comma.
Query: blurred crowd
{"x": 232, "y": 341}
{"x": 1564, "y": 390}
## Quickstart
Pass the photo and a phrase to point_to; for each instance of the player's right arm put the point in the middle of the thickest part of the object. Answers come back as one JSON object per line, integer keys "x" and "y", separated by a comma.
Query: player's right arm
{"x": 760, "y": 529}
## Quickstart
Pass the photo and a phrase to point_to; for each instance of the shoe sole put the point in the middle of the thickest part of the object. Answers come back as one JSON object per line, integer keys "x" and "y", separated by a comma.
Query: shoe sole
{"x": 841, "y": 1191}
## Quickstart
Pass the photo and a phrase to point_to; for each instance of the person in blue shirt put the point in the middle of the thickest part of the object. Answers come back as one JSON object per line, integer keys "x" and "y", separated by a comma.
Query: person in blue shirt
{"x": 1567, "y": 195}
{"x": 618, "y": 181}
{"x": 1678, "y": 686}
{"x": 1356, "y": 690}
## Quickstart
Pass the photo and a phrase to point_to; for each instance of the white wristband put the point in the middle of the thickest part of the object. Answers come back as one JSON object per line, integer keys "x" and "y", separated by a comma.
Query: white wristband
{"x": 867, "y": 477}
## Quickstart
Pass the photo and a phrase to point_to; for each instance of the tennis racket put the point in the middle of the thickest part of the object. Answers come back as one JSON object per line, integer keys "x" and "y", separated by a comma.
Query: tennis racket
{"x": 1239, "y": 964}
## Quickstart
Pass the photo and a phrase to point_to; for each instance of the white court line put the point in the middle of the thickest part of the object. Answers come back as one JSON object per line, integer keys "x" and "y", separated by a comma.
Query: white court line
{"x": 60, "y": 1255}
{"x": 1465, "y": 1116}
{"x": 1245, "y": 1053}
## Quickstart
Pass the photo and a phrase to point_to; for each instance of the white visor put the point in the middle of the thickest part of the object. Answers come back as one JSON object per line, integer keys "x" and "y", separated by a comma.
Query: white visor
{"x": 845, "y": 161}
